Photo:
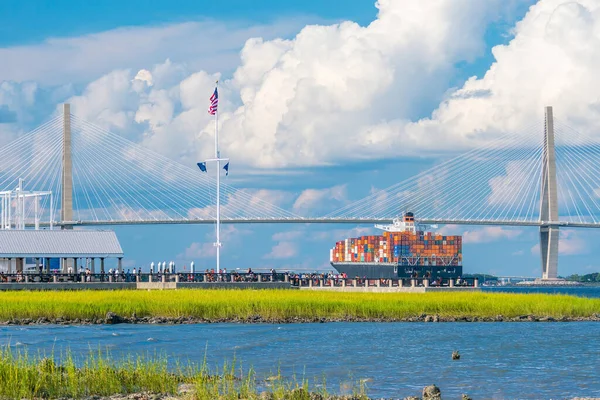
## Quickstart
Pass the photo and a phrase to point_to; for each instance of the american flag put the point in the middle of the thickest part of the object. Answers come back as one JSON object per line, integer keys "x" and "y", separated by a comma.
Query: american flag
{"x": 214, "y": 102}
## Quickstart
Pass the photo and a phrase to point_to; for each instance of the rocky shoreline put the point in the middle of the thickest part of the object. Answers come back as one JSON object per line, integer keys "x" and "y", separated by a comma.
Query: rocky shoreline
{"x": 112, "y": 318}
{"x": 430, "y": 392}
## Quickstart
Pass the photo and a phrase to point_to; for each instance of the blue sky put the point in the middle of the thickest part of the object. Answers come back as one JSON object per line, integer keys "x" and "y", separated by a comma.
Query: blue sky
{"x": 188, "y": 42}
{"x": 31, "y": 21}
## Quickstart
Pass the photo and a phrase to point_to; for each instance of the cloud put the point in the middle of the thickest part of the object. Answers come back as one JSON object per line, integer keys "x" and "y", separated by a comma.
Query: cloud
{"x": 508, "y": 188}
{"x": 6, "y": 115}
{"x": 199, "y": 250}
{"x": 316, "y": 99}
{"x": 283, "y": 250}
{"x": 230, "y": 237}
{"x": 287, "y": 246}
{"x": 490, "y": 234}
{"x": 550, "y": 61}
{"x": 23, "y": 106}
{"x": 341, "y": 92}
{"x": 314, "y": 199}
{"x": 336, "y": 235}
{"x": 570, "y": 243}
{"x": 247, "y": 203}
{"x": 80, "y": 59}
{"x": 144, "y": 75}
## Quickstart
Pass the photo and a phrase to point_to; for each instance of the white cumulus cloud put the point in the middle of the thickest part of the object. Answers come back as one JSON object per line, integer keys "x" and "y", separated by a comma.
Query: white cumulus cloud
{"x": 144, "y": 75}
{"x": 490, "y": 234}
{"x": 311, "y": 200}
{"x": 341, "y": 92}
{"x": 552, "y": 60}
{"x": 283, "y": 250}
{"x": 484, "y": 234}
{"x": 318, "y": 98}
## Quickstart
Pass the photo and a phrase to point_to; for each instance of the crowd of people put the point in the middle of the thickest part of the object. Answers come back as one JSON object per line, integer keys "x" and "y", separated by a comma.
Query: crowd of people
{"x": 210, "y": 275}
{"x": 235, "y": 276}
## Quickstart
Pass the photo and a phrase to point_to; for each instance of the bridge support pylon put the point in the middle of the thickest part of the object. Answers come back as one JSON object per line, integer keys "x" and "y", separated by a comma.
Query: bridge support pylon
{"x": 549, "y": 234}
{"x": 66, "y": 205}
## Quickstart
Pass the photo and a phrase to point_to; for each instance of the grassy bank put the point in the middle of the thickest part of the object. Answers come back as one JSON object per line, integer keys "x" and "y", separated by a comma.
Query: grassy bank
{"x": 25, "y": 377}
{"x": 287, "y": 305}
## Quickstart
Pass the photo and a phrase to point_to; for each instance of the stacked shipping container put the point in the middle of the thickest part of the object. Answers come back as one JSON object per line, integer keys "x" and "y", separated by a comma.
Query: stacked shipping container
{"x": 401, "y": 248}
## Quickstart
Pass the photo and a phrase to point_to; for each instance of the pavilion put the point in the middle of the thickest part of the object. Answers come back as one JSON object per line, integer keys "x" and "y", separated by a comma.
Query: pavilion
{"x": 68, "y": 245}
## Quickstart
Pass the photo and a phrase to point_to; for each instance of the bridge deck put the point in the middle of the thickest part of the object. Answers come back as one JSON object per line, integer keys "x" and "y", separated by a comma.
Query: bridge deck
{"x": 565, "y": 224}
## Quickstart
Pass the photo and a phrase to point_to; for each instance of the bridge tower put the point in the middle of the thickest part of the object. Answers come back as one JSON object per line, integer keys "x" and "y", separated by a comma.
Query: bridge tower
{"x": 549, "y": 203}
{"x": 66, "y": 209}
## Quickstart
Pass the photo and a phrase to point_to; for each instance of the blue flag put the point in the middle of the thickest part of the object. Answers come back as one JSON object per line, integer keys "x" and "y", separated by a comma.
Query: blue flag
{"x": 226, "y": 168}
{"x": 202, "y": 166}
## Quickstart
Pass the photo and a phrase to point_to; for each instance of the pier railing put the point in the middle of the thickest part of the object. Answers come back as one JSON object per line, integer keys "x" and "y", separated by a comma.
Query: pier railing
{"x": 297, "y": 280}
{"x": 317, "y": 281}
{"x": 124, "y": 277}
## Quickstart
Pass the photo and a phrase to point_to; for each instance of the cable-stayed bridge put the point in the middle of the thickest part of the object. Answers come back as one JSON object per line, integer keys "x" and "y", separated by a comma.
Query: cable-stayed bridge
{"x": 546, "y": 176}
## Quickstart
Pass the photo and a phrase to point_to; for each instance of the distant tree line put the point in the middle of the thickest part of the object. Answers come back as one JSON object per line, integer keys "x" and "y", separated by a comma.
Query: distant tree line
{"x": 594, "y": 277}
{"x": 481, "y": 277}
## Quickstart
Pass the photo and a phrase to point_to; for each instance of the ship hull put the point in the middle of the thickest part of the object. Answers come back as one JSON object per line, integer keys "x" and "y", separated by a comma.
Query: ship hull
{"x": 395, "y": 270}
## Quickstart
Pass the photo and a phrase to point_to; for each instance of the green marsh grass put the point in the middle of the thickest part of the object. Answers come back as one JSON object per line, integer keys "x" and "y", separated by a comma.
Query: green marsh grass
{"x": 281, "y": 305}
{"x": 23, "y": 376}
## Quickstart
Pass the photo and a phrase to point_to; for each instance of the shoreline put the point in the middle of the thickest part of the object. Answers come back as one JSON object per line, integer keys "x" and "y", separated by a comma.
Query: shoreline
{"x": 114, "y": 319}
{"x": 285, "y": 306}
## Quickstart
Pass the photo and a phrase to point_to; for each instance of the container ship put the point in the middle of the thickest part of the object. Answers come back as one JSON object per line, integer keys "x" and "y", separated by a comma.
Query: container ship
{"x": 403, "y": 251}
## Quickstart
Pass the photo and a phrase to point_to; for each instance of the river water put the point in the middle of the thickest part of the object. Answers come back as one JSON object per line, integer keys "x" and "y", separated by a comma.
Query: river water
{"x": 498, "y": 360}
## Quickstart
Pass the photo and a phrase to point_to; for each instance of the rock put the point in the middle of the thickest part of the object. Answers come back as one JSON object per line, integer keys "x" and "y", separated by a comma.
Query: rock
{"x": 266, "y": 396}
{"x": 455, "y": 355}
{"x": 432, "y": 392}
{"x": 465, "y": 397}
{"x": 112, "y": 318}
{"x": 185, "y": 388}
{"x": 412, "y": 398}
{"x": 436, "y": 318}
{"x": 428, "y": 318}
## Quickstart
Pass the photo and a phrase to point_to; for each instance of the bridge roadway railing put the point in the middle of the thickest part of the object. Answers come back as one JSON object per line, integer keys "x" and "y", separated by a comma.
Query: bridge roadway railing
{"x": 520, "y": 223}
{"x": 297, "y": 280}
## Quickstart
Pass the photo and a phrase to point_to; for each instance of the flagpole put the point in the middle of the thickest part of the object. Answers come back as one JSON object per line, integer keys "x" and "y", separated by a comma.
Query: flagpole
{"x": 218, "y": 157}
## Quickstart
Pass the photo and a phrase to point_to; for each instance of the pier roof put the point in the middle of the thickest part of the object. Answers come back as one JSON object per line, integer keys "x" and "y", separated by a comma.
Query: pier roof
{"x": 59, "y": 244}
